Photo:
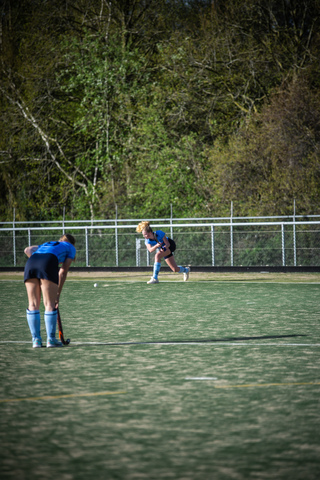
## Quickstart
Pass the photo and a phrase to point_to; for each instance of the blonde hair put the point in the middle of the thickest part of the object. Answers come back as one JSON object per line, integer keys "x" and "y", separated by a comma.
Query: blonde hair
{"x": 68, "y": 238}
{"x": 144, "y": 226}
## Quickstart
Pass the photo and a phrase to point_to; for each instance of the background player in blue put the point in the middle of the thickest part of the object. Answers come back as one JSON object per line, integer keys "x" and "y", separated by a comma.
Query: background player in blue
{"x": 164, "y": 247}
{"x": 43, "y": 276}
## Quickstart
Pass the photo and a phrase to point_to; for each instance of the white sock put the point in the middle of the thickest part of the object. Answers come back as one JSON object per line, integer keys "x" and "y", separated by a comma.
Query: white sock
{"x": 33, "y": 317}
{"x": 50, "y": 319}
{"x": 182, "y": 269}
{"x": 156, "y": 269}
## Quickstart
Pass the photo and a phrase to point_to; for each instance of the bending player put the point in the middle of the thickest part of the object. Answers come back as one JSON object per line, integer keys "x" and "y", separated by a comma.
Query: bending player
{"x": 43, "y": 276}
{"x": 164, "y": 247}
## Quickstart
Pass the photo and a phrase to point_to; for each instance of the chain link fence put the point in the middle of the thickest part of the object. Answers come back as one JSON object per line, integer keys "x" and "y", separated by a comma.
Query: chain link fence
{"x": 268, "y": 241}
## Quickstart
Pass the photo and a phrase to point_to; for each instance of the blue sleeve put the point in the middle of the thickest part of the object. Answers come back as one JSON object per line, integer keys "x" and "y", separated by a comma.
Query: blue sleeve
{"x": 160, "y": 235}
{"x": 72, "y": 252}
{"x": 149, "y": 242}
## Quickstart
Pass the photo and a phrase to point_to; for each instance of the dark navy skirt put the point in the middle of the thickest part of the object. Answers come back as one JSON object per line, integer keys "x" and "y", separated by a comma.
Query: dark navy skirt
{"x": 42, "y": 265}
{"x": 172, "y": 247}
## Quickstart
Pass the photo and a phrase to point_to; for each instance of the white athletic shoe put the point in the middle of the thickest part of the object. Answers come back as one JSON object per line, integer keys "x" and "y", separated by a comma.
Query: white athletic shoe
{"x": 37, "y": 343}
{"x": 153, "y": 280}
{"x": 53, "y": 342}
{"x": 186, "y": 274}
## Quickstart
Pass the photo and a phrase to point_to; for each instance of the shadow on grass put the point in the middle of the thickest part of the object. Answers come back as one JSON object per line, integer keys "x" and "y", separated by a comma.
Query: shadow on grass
{"x": 201, "y": 340}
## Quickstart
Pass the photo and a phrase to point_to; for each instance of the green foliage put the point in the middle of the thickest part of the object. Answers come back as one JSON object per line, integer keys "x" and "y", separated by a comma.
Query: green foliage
{"x": 108, "y": 80}
{"x": 144, "y": 104}
{"x": 276, "y": 158}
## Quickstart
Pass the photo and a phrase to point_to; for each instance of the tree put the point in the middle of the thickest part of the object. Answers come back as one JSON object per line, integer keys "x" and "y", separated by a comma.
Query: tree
{"x": 75, "y": 118}
{"x": 103, "y": 101}
{"x": 215, "y": 76}
{"x": 275, "y": 160}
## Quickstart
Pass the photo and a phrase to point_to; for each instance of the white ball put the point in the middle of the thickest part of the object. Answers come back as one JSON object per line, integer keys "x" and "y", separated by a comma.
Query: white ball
{"x": 95, "y": 285}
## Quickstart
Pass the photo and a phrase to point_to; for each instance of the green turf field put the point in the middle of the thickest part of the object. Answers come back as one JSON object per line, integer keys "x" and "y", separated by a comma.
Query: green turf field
{"x": 199, "y": 380}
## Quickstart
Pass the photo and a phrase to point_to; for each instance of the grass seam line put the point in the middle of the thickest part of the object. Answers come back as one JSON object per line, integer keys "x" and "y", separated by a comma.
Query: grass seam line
{"x": 266, "y": 385}
{"x": 55, "y": 397}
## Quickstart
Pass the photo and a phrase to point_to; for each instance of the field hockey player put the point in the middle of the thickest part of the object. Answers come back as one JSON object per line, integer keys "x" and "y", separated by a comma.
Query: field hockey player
{"x": 42, "y": 276}
{"x": 164, "y": 247}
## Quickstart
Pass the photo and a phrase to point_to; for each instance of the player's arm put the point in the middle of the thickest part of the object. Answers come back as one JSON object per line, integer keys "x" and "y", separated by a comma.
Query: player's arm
{"x": 151, "y": 248}
{"x": 30, "y": 250}
{"x": 63, "y": 272}
{"x": 165, "y": 242}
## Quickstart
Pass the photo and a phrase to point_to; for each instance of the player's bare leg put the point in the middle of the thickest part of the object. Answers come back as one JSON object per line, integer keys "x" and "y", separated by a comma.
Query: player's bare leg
{"x": 49, "y": 294}
{"x": 171, "y": 262}
{"x": 34, "y": 293}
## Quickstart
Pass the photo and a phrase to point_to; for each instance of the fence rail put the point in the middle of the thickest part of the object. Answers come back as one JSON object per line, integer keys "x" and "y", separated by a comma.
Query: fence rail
{"x": 241, "y": 241}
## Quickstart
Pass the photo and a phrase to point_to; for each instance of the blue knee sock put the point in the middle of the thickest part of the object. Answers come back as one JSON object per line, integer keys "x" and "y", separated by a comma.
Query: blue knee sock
{"x": 156, "y": 269}
{"x": 182, "y": 269}
{"x": 33, "y": 317}
{"x": 50, "y": 319}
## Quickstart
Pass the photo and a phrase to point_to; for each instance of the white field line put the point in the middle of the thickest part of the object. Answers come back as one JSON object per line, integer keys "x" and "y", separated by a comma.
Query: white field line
{"x": 164, "y": 343}
{"x": 213, "y": 281}
{"x": 201, "y": 378}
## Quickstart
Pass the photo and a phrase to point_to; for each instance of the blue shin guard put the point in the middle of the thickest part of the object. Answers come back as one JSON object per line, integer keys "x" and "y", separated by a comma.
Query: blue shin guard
{"x": 50, "y": 319}
{"x": 33, "y": 318}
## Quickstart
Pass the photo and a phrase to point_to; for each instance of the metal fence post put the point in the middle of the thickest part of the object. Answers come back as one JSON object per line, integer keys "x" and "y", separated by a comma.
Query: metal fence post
{"x": 87, "y": 248}
{"x": 231, "y": 236}
{"x": 116, "y": 237}
{"x": 63, "y": 219}
{"x": 14, "y": 239}
{"x": 212, "y": 244}
{"x": 283, "y": 246}
{"x": 294, "y": 235}
{"x": 138, "y": 252}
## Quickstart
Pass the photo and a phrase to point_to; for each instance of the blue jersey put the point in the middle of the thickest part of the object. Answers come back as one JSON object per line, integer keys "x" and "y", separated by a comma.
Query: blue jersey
{"x": 160, "y": 236}
{"x": 62, "y": 250}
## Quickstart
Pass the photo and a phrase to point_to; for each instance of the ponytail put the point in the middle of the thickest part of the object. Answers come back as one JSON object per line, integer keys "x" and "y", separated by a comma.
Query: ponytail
{"x": 144, "y": 226}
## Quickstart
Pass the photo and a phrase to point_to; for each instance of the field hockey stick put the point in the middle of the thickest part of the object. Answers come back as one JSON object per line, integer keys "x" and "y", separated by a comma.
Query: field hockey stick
{"x": 61, "y": 337}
